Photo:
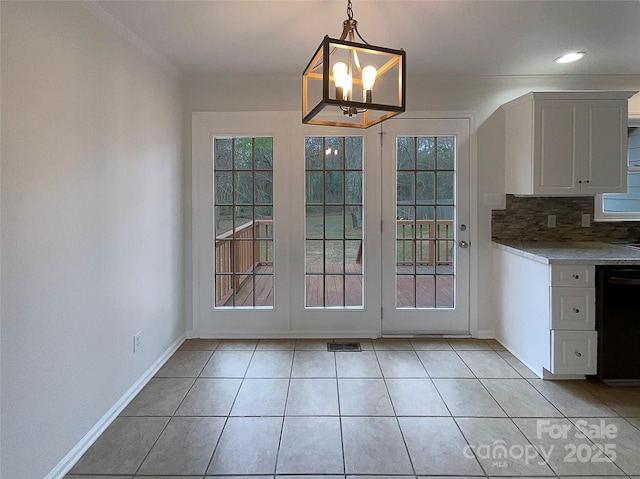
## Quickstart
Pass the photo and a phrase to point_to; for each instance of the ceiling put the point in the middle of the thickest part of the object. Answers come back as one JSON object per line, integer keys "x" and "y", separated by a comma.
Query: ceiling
{"x": 441, "y": 37}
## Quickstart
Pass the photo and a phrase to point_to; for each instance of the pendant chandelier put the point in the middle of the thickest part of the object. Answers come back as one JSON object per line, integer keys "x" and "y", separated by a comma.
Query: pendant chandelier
{"x": 352, "y": 83}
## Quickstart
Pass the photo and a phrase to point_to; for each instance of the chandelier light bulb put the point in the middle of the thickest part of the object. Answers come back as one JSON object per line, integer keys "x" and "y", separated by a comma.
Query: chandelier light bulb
{"x": 340, "y": 73}
{"x": 342, "y": 80}
{"x": 369, "y": 77}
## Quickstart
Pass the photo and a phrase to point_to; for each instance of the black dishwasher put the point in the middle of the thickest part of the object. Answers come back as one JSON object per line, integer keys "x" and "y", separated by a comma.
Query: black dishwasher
{"x": 618, "y": 322}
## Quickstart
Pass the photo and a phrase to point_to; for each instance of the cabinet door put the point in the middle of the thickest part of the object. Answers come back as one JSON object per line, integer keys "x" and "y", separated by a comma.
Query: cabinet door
{"x": 573, "y": 352}
{"x": 573, "y": 308}
{"x": 555, "y": 152}
{"x": 573, "y": 276}
{"x": 605, "y": 147}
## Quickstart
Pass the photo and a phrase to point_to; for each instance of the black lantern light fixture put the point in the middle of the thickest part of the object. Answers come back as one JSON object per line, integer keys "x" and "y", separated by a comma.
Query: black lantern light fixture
{"x": 352, "y": 83}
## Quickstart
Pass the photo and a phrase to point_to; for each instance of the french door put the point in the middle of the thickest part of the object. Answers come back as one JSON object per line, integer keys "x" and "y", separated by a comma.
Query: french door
{"x": 301, "y": 230}
{"x": 239, "y": 199}
{"x": 425, "y": 234}
{"x": 335, "y": 217}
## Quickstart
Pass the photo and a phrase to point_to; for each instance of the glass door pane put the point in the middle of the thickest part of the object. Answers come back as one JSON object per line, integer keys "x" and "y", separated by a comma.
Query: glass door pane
{"x": 425, "y": 210}
{"x": 243, "y": 222}
{"x": 334, "y": 213}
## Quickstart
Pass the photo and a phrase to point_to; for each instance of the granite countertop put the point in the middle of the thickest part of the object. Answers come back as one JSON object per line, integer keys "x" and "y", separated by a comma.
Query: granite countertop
{"x": 580, "y": 252}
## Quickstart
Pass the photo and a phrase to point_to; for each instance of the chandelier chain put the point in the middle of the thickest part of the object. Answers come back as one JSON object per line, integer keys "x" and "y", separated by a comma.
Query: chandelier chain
{"x": 349, "y": 10}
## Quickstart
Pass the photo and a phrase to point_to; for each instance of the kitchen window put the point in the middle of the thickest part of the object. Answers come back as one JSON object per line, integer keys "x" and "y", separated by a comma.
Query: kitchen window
{"x": 624, "y": 206}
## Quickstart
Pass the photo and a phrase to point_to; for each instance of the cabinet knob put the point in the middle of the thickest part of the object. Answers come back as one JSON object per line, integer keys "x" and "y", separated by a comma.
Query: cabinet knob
{"x": 576, "y": 310}
{"x": 579, "y": 181}
{"x": 576, "y": 276}
{"x": 579, "y": 354}
{"x": 587, "y": 181}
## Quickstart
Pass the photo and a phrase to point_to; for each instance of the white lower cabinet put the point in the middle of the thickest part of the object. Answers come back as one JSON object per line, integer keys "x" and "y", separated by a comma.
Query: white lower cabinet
{"x": 573, "y": 352}
{"x": 547, "y": 315}
{"x": 573, "y": 276}
{"x": 573, "y": 308}
{"x": 573, "y": 319}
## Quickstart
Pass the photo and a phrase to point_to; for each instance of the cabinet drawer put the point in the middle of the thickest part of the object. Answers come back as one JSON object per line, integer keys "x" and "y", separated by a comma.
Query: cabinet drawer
{"x": 573, "y": 276}
{"x": 573, "y": 308}
{"x": 573, "y": 352}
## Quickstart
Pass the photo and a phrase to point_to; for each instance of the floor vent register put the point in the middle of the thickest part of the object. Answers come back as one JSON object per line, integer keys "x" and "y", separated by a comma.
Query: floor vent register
{"x": 343, "y": 347}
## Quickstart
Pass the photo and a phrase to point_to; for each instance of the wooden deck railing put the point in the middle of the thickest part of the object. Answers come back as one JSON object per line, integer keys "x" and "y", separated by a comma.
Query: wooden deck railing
{"x": 427, "y": 252}
{"x": 251, "y": 245}
{"x": 240, "y": 251}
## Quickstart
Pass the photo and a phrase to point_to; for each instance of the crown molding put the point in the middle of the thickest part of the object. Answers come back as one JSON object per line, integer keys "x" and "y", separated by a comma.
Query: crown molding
{"x": 513, "y": 78}
{"x": 115, "y": 25}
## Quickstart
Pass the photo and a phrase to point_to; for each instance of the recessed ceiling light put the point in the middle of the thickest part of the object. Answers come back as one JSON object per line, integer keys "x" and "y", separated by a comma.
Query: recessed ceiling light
{"x": 570, "y": 57}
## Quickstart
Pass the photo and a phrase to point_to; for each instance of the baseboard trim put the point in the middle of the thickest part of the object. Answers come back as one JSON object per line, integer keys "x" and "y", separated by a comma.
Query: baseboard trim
{"x": 485, "y": 334}
{"x": 65, "y": 465}
{"x": 482, "y": 334}
{"x": 287, "y": 335}
{"x": 519, "y": 358}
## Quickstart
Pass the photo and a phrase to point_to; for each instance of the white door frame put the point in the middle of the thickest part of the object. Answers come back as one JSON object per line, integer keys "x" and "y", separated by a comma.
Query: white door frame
{"x": 289, "y": 244}
{"x": 339, "y": 322}
{"x": 288, "y": 317}
{"x": 259, "y": 322}
{"x": 397, "y": 321}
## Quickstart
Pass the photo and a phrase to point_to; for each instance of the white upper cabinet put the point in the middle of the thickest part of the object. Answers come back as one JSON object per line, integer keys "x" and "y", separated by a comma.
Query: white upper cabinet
{"x": 567, "y": 143}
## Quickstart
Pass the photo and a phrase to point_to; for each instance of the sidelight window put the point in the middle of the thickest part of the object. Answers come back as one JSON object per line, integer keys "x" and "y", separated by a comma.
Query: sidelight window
{"x": 243, "y": 221}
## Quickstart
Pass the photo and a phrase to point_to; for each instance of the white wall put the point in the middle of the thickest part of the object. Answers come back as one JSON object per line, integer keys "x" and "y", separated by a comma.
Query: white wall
{"x": 91, "y": 225}
{"x": 481, "y": 95}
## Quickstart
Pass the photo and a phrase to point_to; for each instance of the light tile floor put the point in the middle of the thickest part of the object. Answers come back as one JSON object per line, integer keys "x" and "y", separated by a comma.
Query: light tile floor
{"x": 400, "y": 408}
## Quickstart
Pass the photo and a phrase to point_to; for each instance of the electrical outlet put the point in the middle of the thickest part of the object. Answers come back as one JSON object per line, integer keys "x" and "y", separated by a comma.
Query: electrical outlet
{"x": 137, "y": 341}
{"x": 586, "y": 220}
{"x": 551, "y": 221}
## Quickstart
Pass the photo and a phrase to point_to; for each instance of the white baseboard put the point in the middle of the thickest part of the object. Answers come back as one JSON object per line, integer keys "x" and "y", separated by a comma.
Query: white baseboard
{"x": 287, "y": 335}
{"x": 485, "y": 334}
{"x": 519, "y": 358}
{"x": 65, "y": 465}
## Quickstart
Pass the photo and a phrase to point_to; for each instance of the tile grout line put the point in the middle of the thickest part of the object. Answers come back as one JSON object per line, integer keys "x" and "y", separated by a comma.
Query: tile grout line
{"x": 597, "y": 445}
{"x": 580, "y": 388}
{"x": 498, "y": 355}
{"x": 486, "y": 473}
{"x": 195, "y": 380}
{"x": 213, "y": 452}
{"x": 404, "y": 441}
{"x": 507, "y": 416}
{"x": 170, "y": 418}
{"x": 453, "y": 418}
{"x": 284, "y": 412}
{"x": 344, "y": 460}
{"x": 563, "y": 414}
{"x": 475, "y": 376}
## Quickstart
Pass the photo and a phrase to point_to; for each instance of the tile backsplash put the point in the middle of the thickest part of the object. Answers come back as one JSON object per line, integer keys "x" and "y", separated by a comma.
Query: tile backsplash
{"x": 525, "y": 219}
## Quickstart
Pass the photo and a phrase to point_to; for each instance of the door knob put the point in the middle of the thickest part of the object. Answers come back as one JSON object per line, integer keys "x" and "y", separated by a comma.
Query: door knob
{"x": 463, "y": 244}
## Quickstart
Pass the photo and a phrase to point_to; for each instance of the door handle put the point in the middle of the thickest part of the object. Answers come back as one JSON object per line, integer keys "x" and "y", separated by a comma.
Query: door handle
{"x": 463, "y": 244}
{"x": 629, "y": 281}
